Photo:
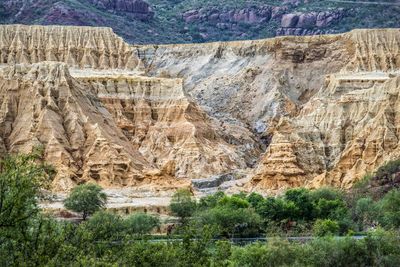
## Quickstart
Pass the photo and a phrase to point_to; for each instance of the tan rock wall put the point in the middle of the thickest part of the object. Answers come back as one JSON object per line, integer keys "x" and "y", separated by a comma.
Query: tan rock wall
{"x": 82, "y": 47}
{"x": 323, "y": 108}
{"x": 166, "y": 127}
{"x": 41, "y": 104}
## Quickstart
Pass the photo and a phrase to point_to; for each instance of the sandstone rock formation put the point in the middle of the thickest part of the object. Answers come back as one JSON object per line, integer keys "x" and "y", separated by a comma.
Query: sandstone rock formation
{"x": 81, "y": 47}
{"x": 165, "y": 127}
{"x": 349, "y": 128}
{"x": 41, "y": 104}
{"x": 323, "y": 108}
{"x": 105, "y": 124}
{"x": 247, "y": 84}
{"x": 311, "y": 99}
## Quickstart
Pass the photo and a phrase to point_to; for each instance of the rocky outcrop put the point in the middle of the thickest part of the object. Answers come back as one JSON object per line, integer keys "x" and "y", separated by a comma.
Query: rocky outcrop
{"x": 136, "y": 8}
{"x": 310, "y": 23}
{"x": 280, "y": 165}
{"x": 308, "y": 98}
{"x": 60, "y": 13}
{"x": 250, "y": 84}
{"x": 42, "y": 105}
{"x": 188, "y": 21}
{"x": 349, "y": 128}
{"x": 323, "y": 108}
{"x": 374, "y": 50}
{"x": 225, "y": 17}
{"x": 167, "y": 128}
{"x": 81, "y": 47}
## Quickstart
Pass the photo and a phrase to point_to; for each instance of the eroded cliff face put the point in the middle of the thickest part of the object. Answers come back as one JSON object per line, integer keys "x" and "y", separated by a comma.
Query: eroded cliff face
{"x": 251, "y": 84}
{"x": 324, "y": 109}
{"x": 313, "y": 100}
{"x": 349, "y": 128}
{"x": 42, "y": 105}
{"x": 81, "y": 47}
{"x": 98, "y": 121}
{"x": 166, "y": 127}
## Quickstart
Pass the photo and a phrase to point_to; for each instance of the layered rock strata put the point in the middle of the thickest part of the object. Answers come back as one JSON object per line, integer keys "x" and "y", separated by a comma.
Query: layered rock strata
{"x": 42, "y": 105}
{"x": 349, "y": 128}
{"x": 249, "y": 83}
{"x": 323, "y": 108}
{"x": 166, "y": 127}
{"x": 81, "y": 47}
{"x": 305, "y": 96}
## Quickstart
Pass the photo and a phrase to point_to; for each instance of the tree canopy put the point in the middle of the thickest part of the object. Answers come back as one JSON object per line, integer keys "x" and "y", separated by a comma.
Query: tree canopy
{"x": 86, "y": 199}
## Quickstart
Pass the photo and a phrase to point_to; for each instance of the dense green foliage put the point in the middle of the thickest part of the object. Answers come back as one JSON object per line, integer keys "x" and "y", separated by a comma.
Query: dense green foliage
{"x": 183, "y": 205}
{"x": 86, "y": 199}
{"x": 390, "y": 209}
{"x": 107, "y": 239}
{"x": 325, "y": 227}
{"x": 20, "y": 181}
{"x": 141, "y": 223}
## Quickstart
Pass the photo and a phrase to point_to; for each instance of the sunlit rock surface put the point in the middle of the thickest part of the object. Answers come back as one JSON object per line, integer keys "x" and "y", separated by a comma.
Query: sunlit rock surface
{"x": 287, "y": 112}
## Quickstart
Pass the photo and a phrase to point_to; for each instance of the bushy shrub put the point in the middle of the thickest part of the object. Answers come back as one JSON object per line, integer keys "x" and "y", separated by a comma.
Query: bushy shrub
{"x": 255, "y": 199}
{"x": 325, "y": 227}
{"x": 274, "y": 253}
{"x": 390, "y": 209}
{"x": 335, "y": 252}
{"x": 366, "y": 212}
{"x": 230, "y": 222}
{"x": 148, "y": 254}
{"x": 183, "y": 205}
{"x": 301, "y": 198}
{"x": 327, "y": 193}
{"x": 21, "y": 178}
{"x": 141, "y": 223}
{"x": 233, "y": 202}
{"x": 210, "y": 201}
{"x": 104, "y": 226}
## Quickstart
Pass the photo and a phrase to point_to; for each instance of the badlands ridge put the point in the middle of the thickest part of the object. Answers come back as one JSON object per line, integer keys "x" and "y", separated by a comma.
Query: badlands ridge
{"x": 275, "y": 113}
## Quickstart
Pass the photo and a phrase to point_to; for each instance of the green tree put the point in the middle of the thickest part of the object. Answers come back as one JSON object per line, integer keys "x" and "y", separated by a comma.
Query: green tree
{"x": 277, "y": 209}
{"x": 390, "y": 209}
{"x": 21, "y": 178}
{"x": 332, "y": 209}
{"x": 327, "y": 193}
{"x": 183, "y": 205}
{"x": 301, "y": 198}
{"x": 325, "y": 227}
{"x": 255, "y": 199}
{"x": 366, "y": 212}
{"x": 274, "y": 253}
{"x": 86, "y": 199}
{"x": 210, "y": 201}
{"x": 104, "y": 225}
{"x": 141, "y": 223}
{"x": 222, "y": 253}
{"x": 234, "y": 202}
{"x": 147, "y": 254}
{"x": 231, "y": 221}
